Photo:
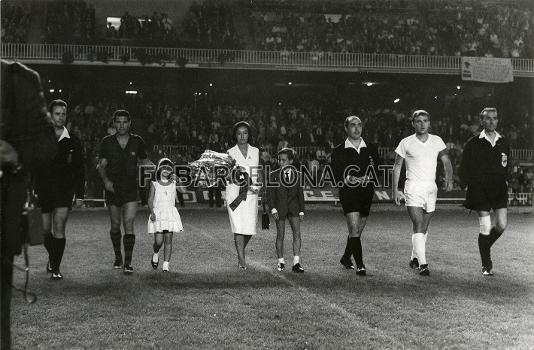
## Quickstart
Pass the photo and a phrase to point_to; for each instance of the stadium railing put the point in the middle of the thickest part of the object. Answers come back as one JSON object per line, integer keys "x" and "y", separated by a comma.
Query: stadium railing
{"x": 383, "y": 152}
{"x": 274, "y": 60}
{"x": 522, "y": 154}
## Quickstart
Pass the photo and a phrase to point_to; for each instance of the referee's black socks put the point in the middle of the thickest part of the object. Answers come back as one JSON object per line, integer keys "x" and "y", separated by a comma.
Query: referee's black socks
{"x": 116, "y": 241}
{"x": 58, "y": 250}
{"x": 348, "y": 251}
{"x": 129, "y": 242}
{"x": 48, "y": 239}
{"x": 484, "y": 244}
{"x": 356, "y": 248}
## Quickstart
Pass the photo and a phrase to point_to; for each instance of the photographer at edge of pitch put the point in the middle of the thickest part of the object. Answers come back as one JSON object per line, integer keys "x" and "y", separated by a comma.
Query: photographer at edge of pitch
{"x": 26, "y": 142}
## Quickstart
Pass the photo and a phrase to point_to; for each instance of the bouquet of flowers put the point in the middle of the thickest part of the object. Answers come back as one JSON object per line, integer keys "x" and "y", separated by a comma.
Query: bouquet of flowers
{"x": 210, "y": 166}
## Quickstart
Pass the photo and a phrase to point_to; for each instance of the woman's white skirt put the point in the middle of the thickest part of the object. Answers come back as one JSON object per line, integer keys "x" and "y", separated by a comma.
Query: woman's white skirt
{"x": 244, "y": 218}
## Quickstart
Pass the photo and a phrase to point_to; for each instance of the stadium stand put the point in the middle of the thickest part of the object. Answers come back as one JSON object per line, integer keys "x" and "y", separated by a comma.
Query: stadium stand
{"x": 15, "y": 22}
{"x": 445, "y": 28}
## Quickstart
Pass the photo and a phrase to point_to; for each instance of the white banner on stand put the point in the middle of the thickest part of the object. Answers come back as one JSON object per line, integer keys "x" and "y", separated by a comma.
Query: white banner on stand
{"x": 488, "y": 70}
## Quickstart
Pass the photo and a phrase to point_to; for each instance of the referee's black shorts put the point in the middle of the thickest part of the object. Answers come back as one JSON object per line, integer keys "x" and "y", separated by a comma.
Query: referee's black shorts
{"x": 357, "y": 200}
{"x": 124, "y": 193}
{"x": 486, "y": 195}
{"x": 51, "y": 198}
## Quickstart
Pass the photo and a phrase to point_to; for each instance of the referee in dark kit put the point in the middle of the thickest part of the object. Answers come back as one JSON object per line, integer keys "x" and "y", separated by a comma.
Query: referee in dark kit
{"x": 484, "y": 169}
{"x": 56, "y": 185}
{"x": 354, "y": 164}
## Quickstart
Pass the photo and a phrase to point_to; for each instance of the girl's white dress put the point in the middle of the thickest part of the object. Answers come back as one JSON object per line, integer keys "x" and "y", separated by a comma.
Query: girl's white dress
{"x": 167, "y": 216}
{"x": 243, "y": 219}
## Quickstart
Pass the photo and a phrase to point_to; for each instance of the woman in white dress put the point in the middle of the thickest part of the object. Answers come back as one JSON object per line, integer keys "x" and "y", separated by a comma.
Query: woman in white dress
{"x": 244, "y": 217}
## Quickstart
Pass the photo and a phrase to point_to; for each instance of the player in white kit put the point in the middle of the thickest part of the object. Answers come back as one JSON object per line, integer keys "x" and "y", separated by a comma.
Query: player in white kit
{"x": 421, "y": 152}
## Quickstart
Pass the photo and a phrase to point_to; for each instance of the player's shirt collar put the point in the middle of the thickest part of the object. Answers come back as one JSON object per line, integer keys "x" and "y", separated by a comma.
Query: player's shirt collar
{"x": 484, "y": 136}
{"x": 65, "y": 134}
{"x": 349, "y": 144}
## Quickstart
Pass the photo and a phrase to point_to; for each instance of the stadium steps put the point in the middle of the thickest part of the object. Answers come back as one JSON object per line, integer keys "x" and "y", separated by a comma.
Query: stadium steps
{"x": 241, "y": 24}
{"x": 37, "y": 22}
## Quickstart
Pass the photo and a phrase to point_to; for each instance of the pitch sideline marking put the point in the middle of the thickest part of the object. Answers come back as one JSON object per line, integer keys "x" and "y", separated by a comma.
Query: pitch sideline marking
{"x": 339, "y": 309}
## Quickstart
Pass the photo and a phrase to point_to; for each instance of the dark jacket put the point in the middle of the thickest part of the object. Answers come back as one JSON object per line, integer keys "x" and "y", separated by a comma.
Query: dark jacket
{"x": 483, "y": 163}
{"x": 26, "y": 127}
{"x": 287, "y": 198}
{"x": 66, "y": 172}
{"x": 345, "y": 158}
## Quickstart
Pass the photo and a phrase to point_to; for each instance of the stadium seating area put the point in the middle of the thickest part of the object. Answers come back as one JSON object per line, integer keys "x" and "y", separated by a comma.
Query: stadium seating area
{"x": 69, "y": 22}
{"x": 448, "y": 27}
{"x": 15, "y": 22}
{"x": 456, "y": 28}
{"x": 155, "y": 30}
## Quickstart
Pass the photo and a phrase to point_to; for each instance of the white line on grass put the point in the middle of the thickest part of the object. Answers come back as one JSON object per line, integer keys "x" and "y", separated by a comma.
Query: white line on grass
{"x": 357, "y": 322}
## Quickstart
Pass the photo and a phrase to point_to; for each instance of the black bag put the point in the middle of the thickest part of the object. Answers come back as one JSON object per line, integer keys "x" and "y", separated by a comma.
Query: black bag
{"x": 265, "y": 221}
{"x": 32, "y": 221}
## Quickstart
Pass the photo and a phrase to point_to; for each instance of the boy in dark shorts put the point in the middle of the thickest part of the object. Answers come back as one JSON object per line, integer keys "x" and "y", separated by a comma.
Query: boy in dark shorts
{"x": 286, "y": 200}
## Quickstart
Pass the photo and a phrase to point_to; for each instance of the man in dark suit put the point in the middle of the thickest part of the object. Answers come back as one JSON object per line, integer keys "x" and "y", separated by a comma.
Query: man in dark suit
{"x": 26, "y": 142}
{"x": 286, "y": 199}
{"x": 355, "y": 164}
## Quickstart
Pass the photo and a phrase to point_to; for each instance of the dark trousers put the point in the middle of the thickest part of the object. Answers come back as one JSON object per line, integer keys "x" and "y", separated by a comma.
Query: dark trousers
{"x": 214, "y": 195}
{"x": 180, "y": 196}
{"x": 5, "y": 311}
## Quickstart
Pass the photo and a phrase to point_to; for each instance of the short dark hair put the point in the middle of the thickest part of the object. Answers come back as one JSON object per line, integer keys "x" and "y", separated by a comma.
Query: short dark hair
{"x": 349, "y": 118}
{"x": 487, "y": 110}
{"x": 240, "y": 124}
{"x": 290, "y": 152}
{"x": 420, "y": 112}
{"x": 121, "y": 113}
{"x": 56, "y": 103}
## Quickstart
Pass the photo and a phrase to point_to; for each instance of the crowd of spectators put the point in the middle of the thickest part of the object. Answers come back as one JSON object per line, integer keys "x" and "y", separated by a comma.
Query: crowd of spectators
{"x": 69, "y": 22}
{"x": 469, "y": 29}
{"x": 277, "y": 127}
{"x": 155, "y": 30}
{"x": 15, "y": 22}
{"x": 211, "y": 25}
{"x": 444, "y": 27}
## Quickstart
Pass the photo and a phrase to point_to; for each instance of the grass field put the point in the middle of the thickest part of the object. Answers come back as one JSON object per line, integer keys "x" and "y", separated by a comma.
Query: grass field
{"x": 206, "y": 302}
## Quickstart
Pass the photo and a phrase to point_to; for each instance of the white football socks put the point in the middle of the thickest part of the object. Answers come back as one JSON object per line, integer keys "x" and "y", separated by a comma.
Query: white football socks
{"x": 166, "y": 266}
{"x": 296, "y": 259}
{"x": 281, "y": 261}
{"x": 419, "y": 250}
{"x": 155, "y": 257}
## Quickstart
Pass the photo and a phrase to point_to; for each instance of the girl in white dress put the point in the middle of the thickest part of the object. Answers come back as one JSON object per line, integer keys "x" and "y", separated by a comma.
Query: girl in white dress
{"x": 164, "y": 217}
{"x": 244, "y": 217}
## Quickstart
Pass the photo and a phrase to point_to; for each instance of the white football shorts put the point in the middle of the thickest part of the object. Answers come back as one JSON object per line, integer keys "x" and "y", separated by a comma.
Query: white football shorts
{"x": 421, "y": 194}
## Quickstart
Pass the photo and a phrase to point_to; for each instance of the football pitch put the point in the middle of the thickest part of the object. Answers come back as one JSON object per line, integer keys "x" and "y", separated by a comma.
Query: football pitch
{"x": 206, "y": 302}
